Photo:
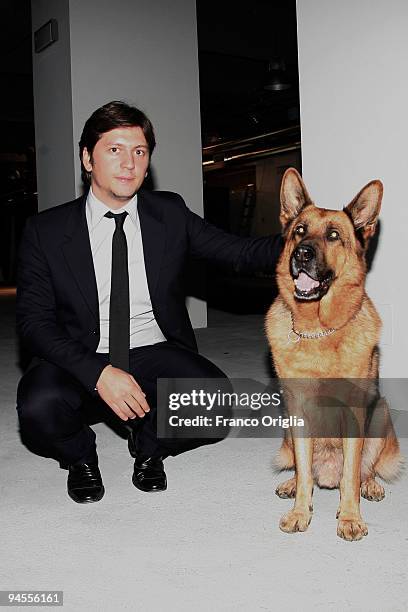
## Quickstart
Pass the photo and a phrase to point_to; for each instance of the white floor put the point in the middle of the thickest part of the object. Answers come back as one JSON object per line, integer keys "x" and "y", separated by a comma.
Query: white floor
{"x": 211, "y": 541}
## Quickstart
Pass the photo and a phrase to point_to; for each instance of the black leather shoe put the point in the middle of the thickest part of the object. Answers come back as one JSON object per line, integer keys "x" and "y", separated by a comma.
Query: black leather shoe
{"x": 85, "y": 483}
{"x": 149, "y": 474}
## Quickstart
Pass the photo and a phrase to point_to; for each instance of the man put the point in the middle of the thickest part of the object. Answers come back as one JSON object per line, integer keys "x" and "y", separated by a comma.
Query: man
{"x": 101, "y": 305}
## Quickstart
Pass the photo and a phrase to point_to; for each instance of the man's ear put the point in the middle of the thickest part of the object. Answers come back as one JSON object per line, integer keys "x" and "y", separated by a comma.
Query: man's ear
{"x": 365, "y": 208}
{"x": 293, "y": 196}
{"x": 87, "y": 160}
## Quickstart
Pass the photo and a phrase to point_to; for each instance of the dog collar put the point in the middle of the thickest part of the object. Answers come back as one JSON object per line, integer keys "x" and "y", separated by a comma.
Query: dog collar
{"x": 295, "y": 336}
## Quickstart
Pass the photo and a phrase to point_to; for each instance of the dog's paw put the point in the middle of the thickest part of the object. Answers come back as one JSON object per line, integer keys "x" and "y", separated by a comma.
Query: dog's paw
{"x": 352, "y": 529}
{"x": 286, "y": 489}
{"x": 372, "y": 490}
{"x": 295, "y": 520}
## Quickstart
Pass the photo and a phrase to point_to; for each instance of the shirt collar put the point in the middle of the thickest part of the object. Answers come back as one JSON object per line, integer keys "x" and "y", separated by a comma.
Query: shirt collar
{"x": 96, "y": 209}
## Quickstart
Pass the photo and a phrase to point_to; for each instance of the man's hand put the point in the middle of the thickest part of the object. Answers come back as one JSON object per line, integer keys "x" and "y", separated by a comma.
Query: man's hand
{"x": 121, "y": 392}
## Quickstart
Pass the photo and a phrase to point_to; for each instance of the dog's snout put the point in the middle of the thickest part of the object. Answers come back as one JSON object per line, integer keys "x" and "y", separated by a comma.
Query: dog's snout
{"x": 304, "y": 253}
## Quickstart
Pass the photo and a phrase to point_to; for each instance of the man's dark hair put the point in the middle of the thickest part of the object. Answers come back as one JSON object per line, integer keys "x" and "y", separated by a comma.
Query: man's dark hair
{"x": 108, "y": 117}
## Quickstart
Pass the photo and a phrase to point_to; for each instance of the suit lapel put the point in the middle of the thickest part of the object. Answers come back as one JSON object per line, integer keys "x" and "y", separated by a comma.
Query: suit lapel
{"x": 153, "y": 237}
{"x": 78, "y": 255}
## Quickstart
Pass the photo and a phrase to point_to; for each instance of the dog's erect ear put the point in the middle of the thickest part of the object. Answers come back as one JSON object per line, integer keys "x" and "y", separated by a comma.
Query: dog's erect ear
{"x": 293, "y": 196}
{"x": 365, "y": 208}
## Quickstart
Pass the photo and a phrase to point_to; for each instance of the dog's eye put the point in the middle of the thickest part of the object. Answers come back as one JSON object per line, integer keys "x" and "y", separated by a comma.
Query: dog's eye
{"x": 300, "y": 230}
{"x": 333, "y": 235}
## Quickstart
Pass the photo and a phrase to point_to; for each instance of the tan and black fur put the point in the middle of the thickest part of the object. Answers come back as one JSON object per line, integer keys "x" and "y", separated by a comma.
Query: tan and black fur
{"x": 326, "y": 250}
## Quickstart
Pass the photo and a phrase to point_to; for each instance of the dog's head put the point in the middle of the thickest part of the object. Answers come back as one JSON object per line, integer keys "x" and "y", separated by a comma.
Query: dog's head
{"x": 323, "y": 246}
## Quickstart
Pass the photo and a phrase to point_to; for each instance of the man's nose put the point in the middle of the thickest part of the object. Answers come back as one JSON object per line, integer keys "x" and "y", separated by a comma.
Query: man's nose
{"x": 304, "y": 253}
{"x": 127, "y": 160}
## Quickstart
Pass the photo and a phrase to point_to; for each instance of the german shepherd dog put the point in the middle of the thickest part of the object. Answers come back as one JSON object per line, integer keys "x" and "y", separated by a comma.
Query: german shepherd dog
{"x": 324, "y": 326}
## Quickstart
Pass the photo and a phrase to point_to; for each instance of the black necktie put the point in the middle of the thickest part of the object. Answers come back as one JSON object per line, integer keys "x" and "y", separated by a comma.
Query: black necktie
{"x": 119, "y": 309}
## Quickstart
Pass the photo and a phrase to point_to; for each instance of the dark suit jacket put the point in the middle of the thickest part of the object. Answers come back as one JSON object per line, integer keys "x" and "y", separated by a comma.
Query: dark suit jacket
{"x": 57, "y": 299}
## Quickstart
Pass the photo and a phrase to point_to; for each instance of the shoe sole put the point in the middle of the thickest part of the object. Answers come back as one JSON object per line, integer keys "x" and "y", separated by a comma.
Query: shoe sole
{"x": 148, "y": 490}
{"x": 86, "y": 501}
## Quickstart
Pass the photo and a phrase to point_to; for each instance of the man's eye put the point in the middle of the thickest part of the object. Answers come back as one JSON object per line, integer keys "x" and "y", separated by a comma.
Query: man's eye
{"x": 333, "y": 235}
{"x": 140, "y": 152}
{"x": 114, "y": 149}
{"x": 300, "y": 230}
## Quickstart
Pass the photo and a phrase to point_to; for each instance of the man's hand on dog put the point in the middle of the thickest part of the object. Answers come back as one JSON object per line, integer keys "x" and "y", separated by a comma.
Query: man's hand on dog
{"x": 122, "y": 393}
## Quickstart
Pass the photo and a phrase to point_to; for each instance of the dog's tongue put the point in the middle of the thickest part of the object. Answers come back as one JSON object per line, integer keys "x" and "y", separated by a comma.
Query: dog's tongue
{"x": 305, "y": 283}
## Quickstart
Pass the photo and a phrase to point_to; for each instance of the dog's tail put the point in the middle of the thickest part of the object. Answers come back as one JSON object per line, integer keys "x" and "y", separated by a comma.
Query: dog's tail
{"x": 284, "y": 458}
{"x": 390, "y": 463}
{"x": 390, "y": 468}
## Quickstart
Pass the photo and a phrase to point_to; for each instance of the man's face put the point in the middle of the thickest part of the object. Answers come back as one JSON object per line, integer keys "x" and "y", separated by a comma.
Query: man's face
{"x": 118, "y": 164}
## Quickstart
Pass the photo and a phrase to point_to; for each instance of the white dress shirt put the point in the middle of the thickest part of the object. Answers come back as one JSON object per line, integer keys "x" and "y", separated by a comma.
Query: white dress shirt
{"x": 143, "y": 327}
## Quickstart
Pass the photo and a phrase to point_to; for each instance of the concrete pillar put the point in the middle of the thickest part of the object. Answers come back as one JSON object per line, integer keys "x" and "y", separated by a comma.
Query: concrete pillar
{"x": 56, "y": 154}
{"x": 354, "y": 99}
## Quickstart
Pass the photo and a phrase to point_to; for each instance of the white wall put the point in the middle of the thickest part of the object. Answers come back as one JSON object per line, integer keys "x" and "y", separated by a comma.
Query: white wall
{"x": 354, "y": 100}
{"x": 145, "y": 53}
{"x": 53, "y": 108}
{"x": 139, "y": 51}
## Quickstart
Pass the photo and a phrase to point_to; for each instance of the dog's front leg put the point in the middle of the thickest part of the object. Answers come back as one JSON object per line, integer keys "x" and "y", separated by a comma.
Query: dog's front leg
{"x": 298, "y": 519}
{"x": 350, "y": 524}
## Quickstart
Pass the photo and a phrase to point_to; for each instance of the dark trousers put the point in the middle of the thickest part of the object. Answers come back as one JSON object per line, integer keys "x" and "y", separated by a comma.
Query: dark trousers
{"x": 52, "y": 406}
